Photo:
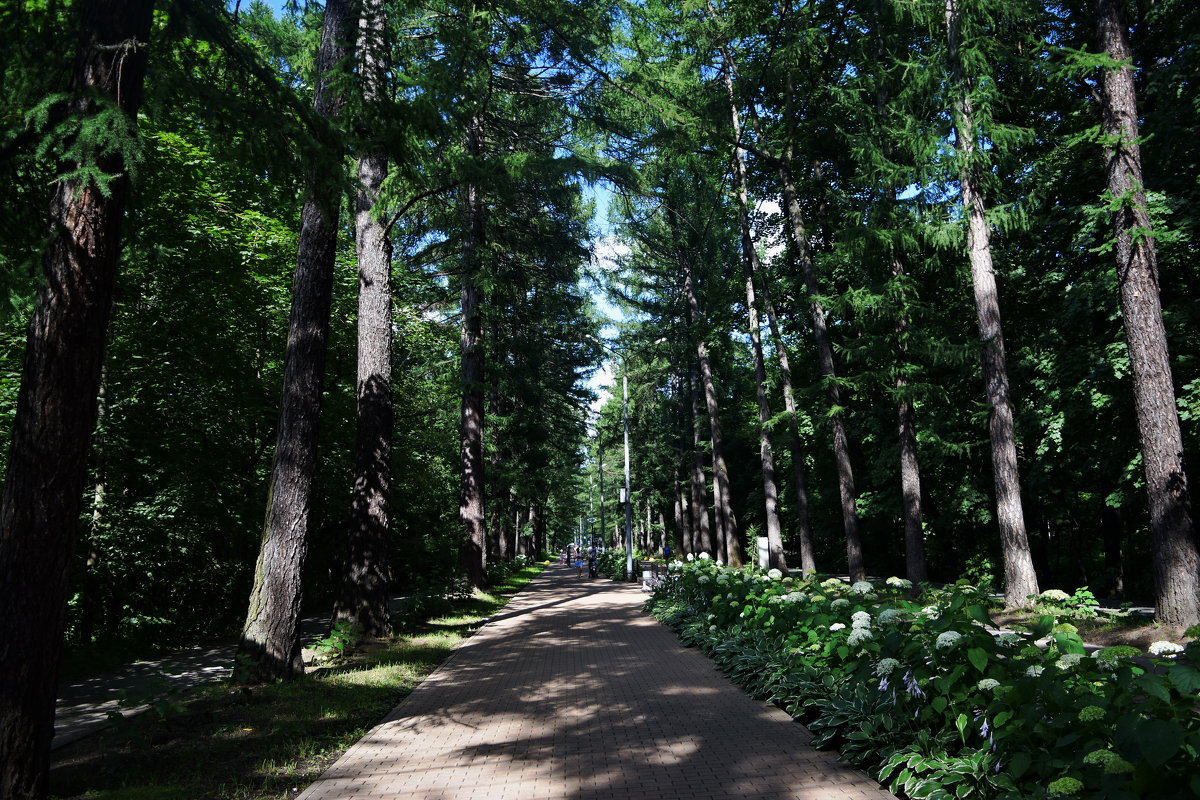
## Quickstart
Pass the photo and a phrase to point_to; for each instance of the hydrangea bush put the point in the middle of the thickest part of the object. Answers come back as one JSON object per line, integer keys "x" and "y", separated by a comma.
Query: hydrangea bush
{"x": 923, "y": 693}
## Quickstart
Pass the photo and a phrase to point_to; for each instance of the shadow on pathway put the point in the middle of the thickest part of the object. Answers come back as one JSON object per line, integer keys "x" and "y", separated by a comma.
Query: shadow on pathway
{"x": 574, "y": 692}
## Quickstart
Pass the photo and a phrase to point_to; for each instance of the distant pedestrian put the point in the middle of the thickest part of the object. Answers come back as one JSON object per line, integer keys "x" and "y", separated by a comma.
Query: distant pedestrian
{"x": 579, "y": 565}
{"x": 666, "y": 552}
{"x": 592, "y": 571}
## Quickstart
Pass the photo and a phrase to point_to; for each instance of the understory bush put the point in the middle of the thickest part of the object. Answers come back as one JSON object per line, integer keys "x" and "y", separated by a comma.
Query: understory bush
{"x": 927, "y": 696}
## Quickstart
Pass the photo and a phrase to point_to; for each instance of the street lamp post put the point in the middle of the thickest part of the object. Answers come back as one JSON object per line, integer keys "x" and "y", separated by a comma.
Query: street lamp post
{"x": 628, "y": 499}
{"x": 600, "y": 452}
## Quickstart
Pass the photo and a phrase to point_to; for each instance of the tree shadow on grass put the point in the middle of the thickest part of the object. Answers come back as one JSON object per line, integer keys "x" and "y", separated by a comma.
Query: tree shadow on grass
{"x": 242, "y": 741}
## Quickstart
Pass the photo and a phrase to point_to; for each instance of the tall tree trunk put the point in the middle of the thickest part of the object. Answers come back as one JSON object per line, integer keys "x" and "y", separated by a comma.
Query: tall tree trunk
{"x": 1020, "y": 579}
{"x": 808, "y": 562}
{"x": 471, "y": 554}
{"x": 537, "y": 527}
{"x": 702, "y": 538}
{"x": 1172, "y": 532}
{"x": 766, "y": 454}
{"x": 910, "y": 470}
{"x": 837, "y": 422}
{"x": 728, "y": 547}
{"x": 56, "y": 405}
{"x": 270, "y": 645}
{"x": 364, "y": 595}
{"x": 1113, "y": 530}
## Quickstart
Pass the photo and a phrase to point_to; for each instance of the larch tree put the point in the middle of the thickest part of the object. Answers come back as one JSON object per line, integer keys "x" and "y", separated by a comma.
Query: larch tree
{"x": 1172, "y": 531}
{"x": 750, "y": 268}
{"x": 1020, "y": 579}
{"x": 364, "y": 601}
{"x": 56, "y": 406}
{"x": 270, "y": 643}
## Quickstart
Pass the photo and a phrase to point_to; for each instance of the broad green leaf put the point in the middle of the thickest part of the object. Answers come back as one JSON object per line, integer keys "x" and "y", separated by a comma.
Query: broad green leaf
{"x": 961, "y": 723}
{"x": 1019, "y": 763}
{"x": 1185, "y": 678}
{"x": 1154, "y": 686}
{"x": 978, "y": 658}
{"x": 980, "y": 615}
{"x": 1160, "y": 739}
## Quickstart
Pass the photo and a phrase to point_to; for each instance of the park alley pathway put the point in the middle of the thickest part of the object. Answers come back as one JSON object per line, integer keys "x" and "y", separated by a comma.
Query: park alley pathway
{"x": 573, "y": 691}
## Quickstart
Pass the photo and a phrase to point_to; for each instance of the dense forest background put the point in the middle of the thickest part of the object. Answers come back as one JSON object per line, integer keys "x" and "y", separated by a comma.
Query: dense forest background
{"x": 712, "y": 131}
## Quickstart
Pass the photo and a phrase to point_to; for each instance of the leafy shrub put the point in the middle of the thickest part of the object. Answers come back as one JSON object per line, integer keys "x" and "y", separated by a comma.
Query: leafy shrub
{"x": 1081, "y": 605}
{"x": 925, "y": 695}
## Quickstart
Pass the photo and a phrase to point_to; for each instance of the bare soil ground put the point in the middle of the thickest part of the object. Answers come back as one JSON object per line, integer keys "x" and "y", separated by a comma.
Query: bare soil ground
{"x": 1134, "y": 631}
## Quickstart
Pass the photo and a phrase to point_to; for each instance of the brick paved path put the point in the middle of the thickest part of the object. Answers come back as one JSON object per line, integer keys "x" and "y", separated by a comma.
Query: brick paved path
{"x": 572, "y": 691}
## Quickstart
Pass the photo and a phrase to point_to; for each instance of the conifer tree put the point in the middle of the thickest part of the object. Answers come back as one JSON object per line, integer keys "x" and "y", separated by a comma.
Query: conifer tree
{"x": 1172, "y": 532}
{"x": 270, "y": 644}
{"x": 1020, "y": 580}
{"x": 56, "y": 407}
{"x": 364, "y": 600}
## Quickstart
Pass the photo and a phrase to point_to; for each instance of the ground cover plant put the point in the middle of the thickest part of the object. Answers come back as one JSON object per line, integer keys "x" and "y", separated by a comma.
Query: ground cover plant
{"x": 919, "y": 690}
{"x": 251, "y": 743}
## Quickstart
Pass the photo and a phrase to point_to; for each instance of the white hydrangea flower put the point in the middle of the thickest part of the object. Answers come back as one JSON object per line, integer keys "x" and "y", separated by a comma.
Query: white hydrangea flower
{"x": 795, "y": 597}
{"x": 899, "y": 583}
{"x": 888, "y": 615}
{"x": 841, "y": 602}
{"x": 1034, "y": 670}
{"x": 1055, "y": 595}
{"x": 886, "y": 666}
{"x": 860, "y": 619}
{"x": 862, "y": 587}
{"x": 704, "y": 579}
{"x": 774, "y": 574}
{"x": 837, "y": 626}
{"x": 858, "y": 636}
{"x": 1068, "y": 660}
{"x": 833, "y": 583}
{"x": 987, "y": 684}
{"x": 691, "y": 557}
{"x": 677, "y": 563}
{"x": 722, "y": 578}
{"x": 1165, "y": 649}
{"x": 947, "y": 640}
{"x": 705, "y": 557}
{"x": 712, "y": 627}
{"x": 931, "y": 611}
{"x": 1008, "y": 640}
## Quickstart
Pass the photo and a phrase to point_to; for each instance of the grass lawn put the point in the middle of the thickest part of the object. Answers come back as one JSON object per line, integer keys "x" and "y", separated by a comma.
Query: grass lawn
{"x": 253, "y": 743}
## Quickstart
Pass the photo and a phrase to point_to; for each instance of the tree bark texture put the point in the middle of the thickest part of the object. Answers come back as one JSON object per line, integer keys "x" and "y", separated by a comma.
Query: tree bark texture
{"x": 1020, "y": 579}
{"x": 471, "y": 555}
{"x": 837, "y": 423}
{"x": 808, "y": 562}
{"x": 910, "y": 469}
{"x": 728, "y": 549}
{"x": 702, "y": 534}
{"x": 364, "y": 600}
{"x": 766, "y": 453}
{"x": 1172, "y": 531}
{"x": 56, "y": 406}
{"x": 270, "y": 645}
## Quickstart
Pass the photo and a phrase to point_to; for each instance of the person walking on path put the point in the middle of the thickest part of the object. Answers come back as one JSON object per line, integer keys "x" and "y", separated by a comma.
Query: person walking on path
{"x": 592, "y": 573}
{"x": 503, "y": 718}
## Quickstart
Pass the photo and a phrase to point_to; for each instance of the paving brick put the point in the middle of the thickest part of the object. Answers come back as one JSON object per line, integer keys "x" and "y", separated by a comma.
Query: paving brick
{"x": 572, "y": 692}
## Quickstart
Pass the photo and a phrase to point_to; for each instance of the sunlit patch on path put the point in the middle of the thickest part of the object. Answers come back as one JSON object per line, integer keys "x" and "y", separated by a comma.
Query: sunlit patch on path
{"x": 574, "y": 692}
